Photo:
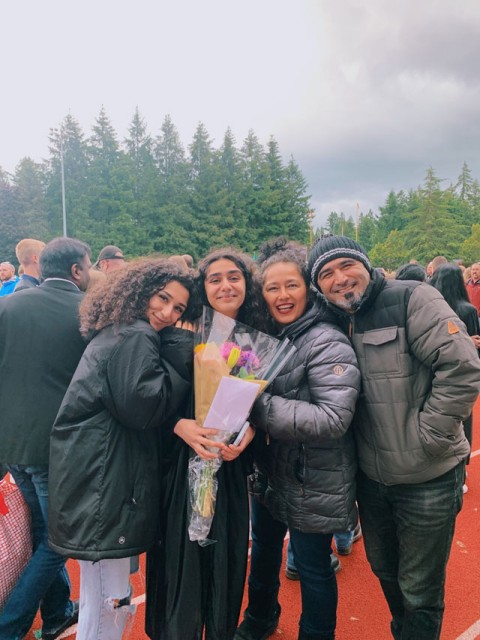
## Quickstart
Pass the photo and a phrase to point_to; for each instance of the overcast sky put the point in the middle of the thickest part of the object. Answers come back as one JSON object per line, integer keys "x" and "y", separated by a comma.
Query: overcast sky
{"x": 365, "y": 94}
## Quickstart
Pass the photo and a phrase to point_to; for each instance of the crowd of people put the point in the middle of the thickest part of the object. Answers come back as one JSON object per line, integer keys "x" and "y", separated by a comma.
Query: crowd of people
{"x": 369, "y": 422}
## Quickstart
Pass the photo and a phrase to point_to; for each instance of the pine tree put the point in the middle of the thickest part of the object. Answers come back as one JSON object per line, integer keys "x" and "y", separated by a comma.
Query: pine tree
{"x": 367, "y": 228}
{"x": 9, "y": 233}
{"x": 392, "y": 215}
{"x": 29, "y": 183}
{"x": 140, "y": 165}
{"x": 297, "y": 203}
{"x": 68, "y": 141}
{"x": 210, "y": 226}
{"x": 339, "y": 225}
{"x": 253, "y": 192}
{"x": 430, "y": 229}
{"x": 276, "y": 214}
{"x": 168, "y": 150}
{"x": 110, "y": 192}
{"x": 171, "y": 218}
{"x": 464, "y": 200}
{"x": 228, "y": 162}
{"x": 139, "y": 150}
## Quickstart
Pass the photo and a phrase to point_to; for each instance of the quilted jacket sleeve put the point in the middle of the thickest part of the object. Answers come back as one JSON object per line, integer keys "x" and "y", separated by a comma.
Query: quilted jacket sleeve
{"x": 321, "y": 406}
{"x": 439, "y": 340}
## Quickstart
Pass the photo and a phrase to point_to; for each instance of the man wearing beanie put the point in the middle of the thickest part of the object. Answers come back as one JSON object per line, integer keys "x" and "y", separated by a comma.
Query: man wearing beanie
{"x": 420, "y": 379}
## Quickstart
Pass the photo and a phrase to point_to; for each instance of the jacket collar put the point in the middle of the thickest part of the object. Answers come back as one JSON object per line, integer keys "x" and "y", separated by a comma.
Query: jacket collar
{"x": 59, "y": 283}
{"x": 317, "y": 312}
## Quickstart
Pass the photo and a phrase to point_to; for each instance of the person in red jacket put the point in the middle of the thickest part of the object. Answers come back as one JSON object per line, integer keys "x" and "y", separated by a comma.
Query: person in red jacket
{"x": 473, "y": 286}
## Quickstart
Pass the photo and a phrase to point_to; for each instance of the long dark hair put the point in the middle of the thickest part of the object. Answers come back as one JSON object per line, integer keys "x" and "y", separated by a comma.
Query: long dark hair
{"x": 448, "y": 279}
{"x": 253, "y": 311}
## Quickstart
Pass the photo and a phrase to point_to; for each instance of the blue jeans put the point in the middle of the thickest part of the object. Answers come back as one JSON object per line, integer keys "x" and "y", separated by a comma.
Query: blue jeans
{"x": 317, "y": 578}
{"x": 342, "y": 540}
{"x": 408, "y": 532}
{"x": 44, "y": 583}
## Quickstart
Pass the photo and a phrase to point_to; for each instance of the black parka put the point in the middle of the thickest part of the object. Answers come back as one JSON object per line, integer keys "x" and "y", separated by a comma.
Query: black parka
{"x": 104, "y": 481}
{"x": 310, "y": 459}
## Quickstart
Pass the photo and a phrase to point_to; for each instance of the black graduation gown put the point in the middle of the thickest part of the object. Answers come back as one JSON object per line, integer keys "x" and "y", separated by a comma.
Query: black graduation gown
{"x": 191, "y": 588}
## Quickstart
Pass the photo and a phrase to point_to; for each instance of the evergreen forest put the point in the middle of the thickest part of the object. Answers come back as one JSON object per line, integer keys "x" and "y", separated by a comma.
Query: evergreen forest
{"x": 150, "y": 195}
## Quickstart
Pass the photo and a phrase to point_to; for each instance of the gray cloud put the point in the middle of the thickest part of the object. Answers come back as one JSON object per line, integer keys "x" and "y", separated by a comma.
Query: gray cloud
{"x": 365, "y": 95}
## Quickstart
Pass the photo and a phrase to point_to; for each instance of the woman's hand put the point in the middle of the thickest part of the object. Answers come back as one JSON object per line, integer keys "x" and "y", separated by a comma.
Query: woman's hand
{"x": 198, "y": 438}
{"x": 184, "y": 324}
{"x": 230, "y": 452}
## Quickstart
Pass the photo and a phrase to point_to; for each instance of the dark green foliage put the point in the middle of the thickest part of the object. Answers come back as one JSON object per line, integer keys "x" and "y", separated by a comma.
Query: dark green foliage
{"x": 426, "y": 222}
{"x": 9, "y": 220}
{"x": 147, "y": 197}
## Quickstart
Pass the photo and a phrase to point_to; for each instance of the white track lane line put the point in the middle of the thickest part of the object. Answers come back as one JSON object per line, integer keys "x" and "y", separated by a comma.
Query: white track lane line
{"x": 471, "y": 633}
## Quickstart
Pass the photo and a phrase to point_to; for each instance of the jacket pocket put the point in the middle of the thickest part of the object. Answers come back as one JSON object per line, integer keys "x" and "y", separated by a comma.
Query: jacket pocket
{"x": 381, "y": 352}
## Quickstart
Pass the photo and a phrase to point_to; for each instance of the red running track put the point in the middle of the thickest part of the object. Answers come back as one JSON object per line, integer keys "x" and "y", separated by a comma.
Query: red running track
{"x": 362, "y": 611}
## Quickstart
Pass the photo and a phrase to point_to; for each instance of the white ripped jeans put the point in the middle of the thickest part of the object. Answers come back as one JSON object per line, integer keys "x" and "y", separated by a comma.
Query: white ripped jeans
{"x": 103, "y": 586}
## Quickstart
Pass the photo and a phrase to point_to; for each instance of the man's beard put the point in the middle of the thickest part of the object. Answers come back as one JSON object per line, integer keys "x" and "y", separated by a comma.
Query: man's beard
{"x": 350, "y": 302}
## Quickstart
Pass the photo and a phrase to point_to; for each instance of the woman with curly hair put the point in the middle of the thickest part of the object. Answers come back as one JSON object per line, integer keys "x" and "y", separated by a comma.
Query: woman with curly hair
{"x": 196, "y": 592}
{"x": 104, "y": 451}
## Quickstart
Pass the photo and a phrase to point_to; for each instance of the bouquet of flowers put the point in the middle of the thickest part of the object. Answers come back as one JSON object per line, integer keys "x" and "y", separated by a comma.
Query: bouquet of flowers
{"x": 233, "y": 364}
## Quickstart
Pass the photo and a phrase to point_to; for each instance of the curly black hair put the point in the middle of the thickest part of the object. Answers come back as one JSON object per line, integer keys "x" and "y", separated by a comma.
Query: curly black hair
{"x": 124, "y": 296}
{"x": 283, "y": 250}
{"x": 253, "y": 311}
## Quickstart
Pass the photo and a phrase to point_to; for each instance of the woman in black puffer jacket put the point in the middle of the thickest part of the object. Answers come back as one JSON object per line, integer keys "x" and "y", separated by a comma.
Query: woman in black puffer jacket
{"x": 104, "y": 476}
{"x": 307, "y": 454}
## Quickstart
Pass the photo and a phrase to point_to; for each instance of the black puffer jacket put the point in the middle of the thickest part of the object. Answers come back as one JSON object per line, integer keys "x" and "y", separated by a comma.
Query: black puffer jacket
{"x": 310, "y": 459}
{"x": 104, "y": 481}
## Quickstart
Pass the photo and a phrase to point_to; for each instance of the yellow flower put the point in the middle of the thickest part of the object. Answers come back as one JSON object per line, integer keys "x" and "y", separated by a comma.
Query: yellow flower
{"x": 233, "y": 357}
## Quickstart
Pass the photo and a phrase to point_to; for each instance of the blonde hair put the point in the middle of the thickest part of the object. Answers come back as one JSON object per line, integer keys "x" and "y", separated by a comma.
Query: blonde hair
{"x": 27, "y": 248}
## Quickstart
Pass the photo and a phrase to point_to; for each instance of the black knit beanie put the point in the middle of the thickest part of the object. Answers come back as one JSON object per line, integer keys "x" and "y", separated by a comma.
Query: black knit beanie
{"x": 331, "y": 247}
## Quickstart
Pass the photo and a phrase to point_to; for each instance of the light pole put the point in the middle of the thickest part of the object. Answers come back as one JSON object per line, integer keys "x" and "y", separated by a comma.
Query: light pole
{"x": 356, "y": 221}
{"x": 62, "y": 172}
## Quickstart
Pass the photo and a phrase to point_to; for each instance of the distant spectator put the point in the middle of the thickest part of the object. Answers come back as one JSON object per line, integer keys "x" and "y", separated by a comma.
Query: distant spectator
{"x": 188, "y": 259}
{"x": 449, "y": 281}
{"x": 411, "y": 271}
{"x": 96, "y": 278}
{"x": 438, "y": 261}
{"x": 473, "y": 286}
{"x": 180, "y": 261}
{"x": 8, "y": 278}
{"x": 28, "y": 253}
{"x": 110, "y": 259}
{"x": 40, "y": 348}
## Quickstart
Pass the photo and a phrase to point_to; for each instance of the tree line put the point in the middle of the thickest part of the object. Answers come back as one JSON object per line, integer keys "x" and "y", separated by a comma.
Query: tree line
{"x": 420, "y": 224}
{"x": 149, "y": 195}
